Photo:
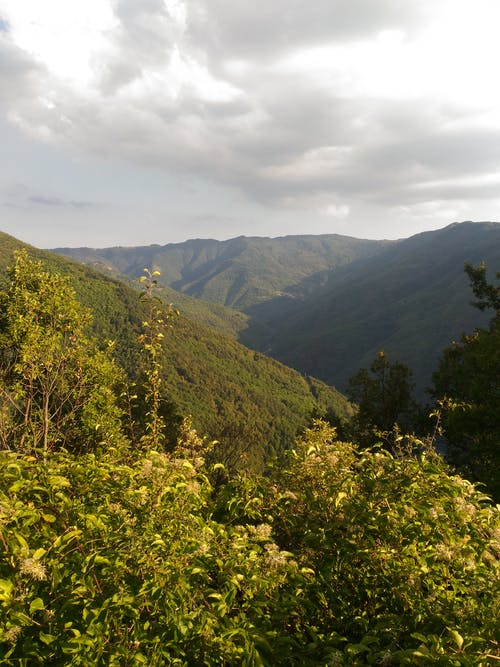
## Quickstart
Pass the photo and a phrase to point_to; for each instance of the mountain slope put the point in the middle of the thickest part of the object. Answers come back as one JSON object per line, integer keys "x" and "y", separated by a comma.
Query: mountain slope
{"x": 327, "y": 304}
{"x": 239, "y": 272}
{"x": 221, "y": 383}
{"x": 411, "y": 300}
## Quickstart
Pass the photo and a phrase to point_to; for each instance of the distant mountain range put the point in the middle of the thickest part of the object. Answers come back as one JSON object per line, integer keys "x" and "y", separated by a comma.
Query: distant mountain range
{"x": 238, "y": 273}
{"x": 226, "y": 387}
{"x": 326, "y": 304}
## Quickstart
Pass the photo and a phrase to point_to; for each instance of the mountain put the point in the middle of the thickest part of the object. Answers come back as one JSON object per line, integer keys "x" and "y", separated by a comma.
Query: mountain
{"x": 240, "y": 272}
{"x": 222, "y": 384}
{"x": 411, "y": 300}
{"x": 326, "y": 304}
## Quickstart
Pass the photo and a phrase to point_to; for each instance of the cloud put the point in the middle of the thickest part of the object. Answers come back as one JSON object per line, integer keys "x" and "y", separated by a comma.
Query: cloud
{"x": 55, "y": 201}
{"x": 261, "y": 30}
{"x": 144, "y": 40}
{"x": 19, "y": 76}
{"x": 22, "y": 196}
{"x": 298, "y": 105}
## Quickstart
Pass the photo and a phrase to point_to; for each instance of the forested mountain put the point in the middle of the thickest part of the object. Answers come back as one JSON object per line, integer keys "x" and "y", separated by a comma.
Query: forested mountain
{"x": 411, "y": 300}
{"x": 239, "y": 272}
{"x": 327, "y": 305}
{"x": 230, "y": 391}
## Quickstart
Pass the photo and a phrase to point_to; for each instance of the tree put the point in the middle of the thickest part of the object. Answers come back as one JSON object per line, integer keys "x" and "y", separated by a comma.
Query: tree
{"x": 487, "y": 294}
{"x": 383, "y": 393}
{"x": 56, "y": 385}
{"x": 467, "y": 385}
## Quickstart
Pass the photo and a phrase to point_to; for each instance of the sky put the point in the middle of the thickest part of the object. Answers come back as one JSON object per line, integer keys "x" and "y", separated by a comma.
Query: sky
{"x": 129, "y": 122}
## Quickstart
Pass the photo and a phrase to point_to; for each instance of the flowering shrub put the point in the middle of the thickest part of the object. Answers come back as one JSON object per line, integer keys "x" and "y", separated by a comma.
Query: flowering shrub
{"x": 109, "y": 562}
{"x": 405, "y": 556}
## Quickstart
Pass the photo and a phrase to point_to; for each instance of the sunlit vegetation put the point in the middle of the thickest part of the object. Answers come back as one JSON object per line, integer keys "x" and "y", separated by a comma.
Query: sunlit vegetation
{"x": 120, "y": 548}
{"x": 225, "y": 387}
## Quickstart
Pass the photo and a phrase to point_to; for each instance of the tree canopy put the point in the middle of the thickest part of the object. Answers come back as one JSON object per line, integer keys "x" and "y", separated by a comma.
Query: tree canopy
{"x": 57, "y": 386}
{"x": 467, "y": 383}
{"x": 383, "y": 394}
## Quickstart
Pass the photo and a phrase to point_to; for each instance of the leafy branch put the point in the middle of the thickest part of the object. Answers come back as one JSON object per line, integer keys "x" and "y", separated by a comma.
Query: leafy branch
{"x": 151, "y": 339}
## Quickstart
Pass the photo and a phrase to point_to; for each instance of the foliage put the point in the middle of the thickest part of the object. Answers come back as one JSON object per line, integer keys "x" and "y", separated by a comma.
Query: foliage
{"x": 467, "y": 384}
{"x": 56, "y": 386}
{"x": 487, "y": 294}
{"x": 403, "y": 556}
{"x": 342, "y": 557}
{"x": 223, "y": 385}
{"x": 124, "y": 555}
{"x": 383, "y": 393}
{"x": 151, "y": 339}
{"x": 126, "y": 567}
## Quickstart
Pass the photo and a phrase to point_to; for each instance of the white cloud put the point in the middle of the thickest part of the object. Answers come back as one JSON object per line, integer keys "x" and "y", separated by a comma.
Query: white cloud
{"x": 63, "y": 36}
{"x": 336, "y": 210}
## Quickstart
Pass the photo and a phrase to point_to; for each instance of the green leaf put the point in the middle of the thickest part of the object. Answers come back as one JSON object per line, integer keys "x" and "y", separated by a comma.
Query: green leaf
{"x": 47, "y": 639}
{"x": 457, "y": 638}
{"x": 6, "y": 587}
{"x": 59, "y": 482}
{"x": 36, "y": 605}
{"x": 39, "y": 553}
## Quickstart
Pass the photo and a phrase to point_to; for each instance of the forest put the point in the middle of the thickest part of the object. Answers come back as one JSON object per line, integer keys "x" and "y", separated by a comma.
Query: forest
{"x": 128, "y": 536}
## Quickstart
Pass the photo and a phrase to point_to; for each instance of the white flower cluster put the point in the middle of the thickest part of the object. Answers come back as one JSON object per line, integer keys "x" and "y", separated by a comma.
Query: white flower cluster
{"x": 262, "y": 532}
{"x": 31, "y": 567}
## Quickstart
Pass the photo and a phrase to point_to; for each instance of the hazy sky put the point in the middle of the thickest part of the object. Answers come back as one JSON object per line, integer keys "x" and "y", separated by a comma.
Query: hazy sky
{"x": 149, "y": 121}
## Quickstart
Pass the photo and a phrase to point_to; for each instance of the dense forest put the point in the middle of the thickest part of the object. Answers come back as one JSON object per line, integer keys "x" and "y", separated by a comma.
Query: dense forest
{"x": 325, "y": 305}
{"x": 129, "y": 537}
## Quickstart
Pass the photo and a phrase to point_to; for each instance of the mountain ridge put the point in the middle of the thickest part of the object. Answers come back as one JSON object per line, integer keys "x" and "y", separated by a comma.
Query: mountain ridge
{"x": 411, "y": 300}
{"x": 327, "y": 304}
{"x": 237, "y": 272}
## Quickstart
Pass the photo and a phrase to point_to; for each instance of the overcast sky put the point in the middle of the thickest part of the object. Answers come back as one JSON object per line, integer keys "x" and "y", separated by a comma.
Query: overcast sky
{"x": 127, "y": 122}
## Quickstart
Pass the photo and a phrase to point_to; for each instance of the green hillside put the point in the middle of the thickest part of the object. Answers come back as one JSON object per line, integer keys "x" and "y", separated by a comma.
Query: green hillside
{"x": 215, "y": 315}
{"x": 326, "y": 305}
{"x": 209, "y": 375}
{"x": 240, "y": 272}
{"x": 411, "y": 301}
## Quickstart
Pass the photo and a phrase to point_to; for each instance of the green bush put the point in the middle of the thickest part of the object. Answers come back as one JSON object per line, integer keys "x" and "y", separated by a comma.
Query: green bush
{"x": 108, "y": 562}
{"x": 404, "y": 554}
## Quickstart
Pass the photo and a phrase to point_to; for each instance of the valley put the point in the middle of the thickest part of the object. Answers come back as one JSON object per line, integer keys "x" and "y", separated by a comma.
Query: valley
{"x": 324, "y": 305}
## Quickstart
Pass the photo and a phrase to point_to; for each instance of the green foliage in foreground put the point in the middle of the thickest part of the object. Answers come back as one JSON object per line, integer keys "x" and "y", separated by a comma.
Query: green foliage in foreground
{"x": 342, "y": 558}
